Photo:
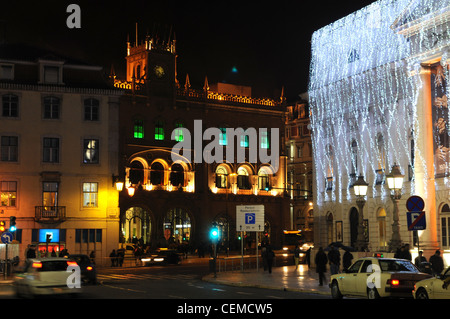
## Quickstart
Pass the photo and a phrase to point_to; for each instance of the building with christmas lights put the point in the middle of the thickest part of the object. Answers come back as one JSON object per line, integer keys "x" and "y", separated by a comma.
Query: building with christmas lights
{"x": 378, "y": 96}
{"x": 176, "y": 183}
{"x": 58, "y": 153}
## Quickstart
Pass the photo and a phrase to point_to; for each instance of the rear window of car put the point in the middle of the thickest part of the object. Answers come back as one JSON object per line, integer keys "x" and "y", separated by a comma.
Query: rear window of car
{"x": 397, "y": 265}
{"x": 60, "y": 265}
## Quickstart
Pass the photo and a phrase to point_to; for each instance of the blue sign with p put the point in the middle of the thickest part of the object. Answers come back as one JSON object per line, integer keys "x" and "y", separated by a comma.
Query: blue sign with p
{"x": 250, "y": 218}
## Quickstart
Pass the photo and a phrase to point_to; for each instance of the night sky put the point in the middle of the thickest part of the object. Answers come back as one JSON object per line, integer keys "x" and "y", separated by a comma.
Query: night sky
{"x": 266, "y": 44}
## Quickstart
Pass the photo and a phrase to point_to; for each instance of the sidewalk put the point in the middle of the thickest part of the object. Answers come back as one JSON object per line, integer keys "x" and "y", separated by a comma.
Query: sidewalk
{"x": 301, "y": 279}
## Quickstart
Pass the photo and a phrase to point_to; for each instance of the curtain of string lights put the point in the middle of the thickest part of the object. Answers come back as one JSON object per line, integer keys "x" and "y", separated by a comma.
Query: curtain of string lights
{"x": 363, "y": 91}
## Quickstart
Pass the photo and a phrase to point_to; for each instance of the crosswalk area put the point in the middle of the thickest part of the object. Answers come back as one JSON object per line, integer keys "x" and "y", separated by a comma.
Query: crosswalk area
{"x": 159, "y": 276}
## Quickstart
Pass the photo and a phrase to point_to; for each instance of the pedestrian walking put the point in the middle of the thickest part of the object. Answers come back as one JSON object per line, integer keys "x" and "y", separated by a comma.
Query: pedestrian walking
{"x": 270, "y": 255}
{"x": 334, "y": 257}
{"x": 113, "y": 257}
{"x": 296, "y": 255}
{"x": 321, "y": 261}
{"x": 437, "y": 263}
{"x": 308, "y": 257}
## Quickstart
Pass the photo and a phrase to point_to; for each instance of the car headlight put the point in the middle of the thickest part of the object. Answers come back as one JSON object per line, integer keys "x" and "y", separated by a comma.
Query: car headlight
{"x": 158, "y": 259}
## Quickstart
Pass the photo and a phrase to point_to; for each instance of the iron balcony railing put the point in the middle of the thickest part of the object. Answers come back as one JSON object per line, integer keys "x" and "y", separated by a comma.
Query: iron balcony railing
{"x": 50, "y": 213}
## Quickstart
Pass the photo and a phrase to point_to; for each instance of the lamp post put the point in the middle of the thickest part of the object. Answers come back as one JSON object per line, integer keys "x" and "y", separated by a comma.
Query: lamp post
{"x": 360, "y": 189}
{"x": 395, "y": 184}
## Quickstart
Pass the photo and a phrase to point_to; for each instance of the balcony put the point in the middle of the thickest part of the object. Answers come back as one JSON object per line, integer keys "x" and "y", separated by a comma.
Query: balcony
{"x": 50, "y": 214}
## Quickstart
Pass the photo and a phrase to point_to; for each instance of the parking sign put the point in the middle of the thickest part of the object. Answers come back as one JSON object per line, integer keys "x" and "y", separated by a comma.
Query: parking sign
{"x": 250, "y": 218}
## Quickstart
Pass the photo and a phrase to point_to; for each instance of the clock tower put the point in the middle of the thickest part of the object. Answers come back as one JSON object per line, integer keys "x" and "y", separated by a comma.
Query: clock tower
{"x": 152, "y": 63}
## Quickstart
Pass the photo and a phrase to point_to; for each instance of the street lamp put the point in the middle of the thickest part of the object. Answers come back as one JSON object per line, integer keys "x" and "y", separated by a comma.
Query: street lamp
{"x": 360, "y": 189}
{"x": 395, "y": 183}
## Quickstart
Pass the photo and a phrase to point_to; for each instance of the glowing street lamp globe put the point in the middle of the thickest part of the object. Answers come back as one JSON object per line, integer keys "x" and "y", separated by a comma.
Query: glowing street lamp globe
{"x": 360, "y": 187}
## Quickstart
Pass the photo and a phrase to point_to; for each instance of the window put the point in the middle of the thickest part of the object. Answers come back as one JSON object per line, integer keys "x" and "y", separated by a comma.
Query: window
{"x": 51, "y": 107}
{"x": 10, "y": 105}
{"x": 264, "y": 139}
{"x": 8, "y": 194}
{"x": 157, "y": 174}
{"x": 221, "y": 177}
{"x": 223, "y": 136}
{"x": 159, "y": 131}
{"x": 90, "y": 151}
{"x": 51, "y": 74}
{"x": 179, "y": 132}
{"x": 51, "y": 150}
{"x": 138, "y": 129}
{"x": 9, "y": 148}
{"x": 263, "y": 180}
{"x": 244, "y": 140}
{"x": 243, "y": 181}
{"x": 6, "y": 72}
{"x": 50, "y": 194}
{"x": 88, "y": 235}
{"x": 177, "y": 175}
{"x": 91, "y": 110}
{"x": 90, "y": 194}
{"x": 445, "y": 226}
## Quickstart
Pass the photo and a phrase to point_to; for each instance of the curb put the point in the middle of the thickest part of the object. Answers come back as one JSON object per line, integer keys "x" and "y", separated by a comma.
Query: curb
{"x": 208, "y": 278}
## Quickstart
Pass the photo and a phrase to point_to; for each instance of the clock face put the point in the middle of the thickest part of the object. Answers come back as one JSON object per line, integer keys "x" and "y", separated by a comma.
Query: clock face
{"x": 159, "y": 71}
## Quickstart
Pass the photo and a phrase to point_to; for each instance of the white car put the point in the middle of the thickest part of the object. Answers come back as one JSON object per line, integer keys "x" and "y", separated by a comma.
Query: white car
{"x": 377, "y": 278}
{"x": 433, "y": 288}
{"x": 45, "y": 276}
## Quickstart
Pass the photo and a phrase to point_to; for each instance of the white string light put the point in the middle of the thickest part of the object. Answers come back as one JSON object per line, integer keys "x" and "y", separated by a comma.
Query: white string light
{"x": 365, "y": 81}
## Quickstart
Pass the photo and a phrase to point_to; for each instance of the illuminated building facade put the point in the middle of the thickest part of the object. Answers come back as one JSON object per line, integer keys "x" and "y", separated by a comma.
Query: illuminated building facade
{"x": 299, "y": 167}
{"x": 378, "y": 96}
{"x": 171, "y": 197}
{"x": 59, "y": 132}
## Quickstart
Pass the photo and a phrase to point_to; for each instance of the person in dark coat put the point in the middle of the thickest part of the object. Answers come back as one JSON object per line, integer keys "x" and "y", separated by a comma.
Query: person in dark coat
{"x": 270, "y": 255}
{"x": 347, "y": 259}
{"x": 321, "y": 261}
{"x": 437, "y": 263}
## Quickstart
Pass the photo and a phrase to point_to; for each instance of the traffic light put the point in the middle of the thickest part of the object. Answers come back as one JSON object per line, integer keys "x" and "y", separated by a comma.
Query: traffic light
{"x": 2, "y": 226}
{"x": 12, "y": 224}
{"x": 214, "y": 233}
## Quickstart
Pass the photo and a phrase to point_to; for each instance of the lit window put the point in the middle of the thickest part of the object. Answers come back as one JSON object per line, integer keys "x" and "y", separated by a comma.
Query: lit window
{"x": 90, "y": 151}
{"x": 221, "y": 177}
{"x": 138, "y": 129}
{"x": 90, "y": 194}
{"x": 244, "y": 140}
{"x": 179, "y": 132}
{"x": 265, "y": 140}
{"x": 223, "y": 136}
{"x": 8, "y": 193}
{"x": 159, "y": 131}
{"x": 243, "y": 178}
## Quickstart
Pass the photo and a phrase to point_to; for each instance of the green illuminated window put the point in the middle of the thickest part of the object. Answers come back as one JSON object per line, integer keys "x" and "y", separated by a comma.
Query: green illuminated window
{"x": 265, "y": 140}
{"x": 179, "y": 132}
{"x": 159, "y": 131}
{"x": 223, "y": 136}
{"x": 244, "y": 140}
{"x": 138, "y": 129}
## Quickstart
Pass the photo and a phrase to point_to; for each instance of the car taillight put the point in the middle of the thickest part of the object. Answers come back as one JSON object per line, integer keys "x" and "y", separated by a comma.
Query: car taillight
{"x": 395, "y": 282}
{"x": 37, "y": 265}
{"x": 72, "y": 263}
{"x": 89, "y": 268}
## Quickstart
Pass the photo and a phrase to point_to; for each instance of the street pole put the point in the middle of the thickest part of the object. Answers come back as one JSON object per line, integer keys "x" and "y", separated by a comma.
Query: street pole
{"x": 257, "y": 257}
{"x": 242, "y": 251}
{"x": 396, "y": 239}
{"x": 361, "y": 240}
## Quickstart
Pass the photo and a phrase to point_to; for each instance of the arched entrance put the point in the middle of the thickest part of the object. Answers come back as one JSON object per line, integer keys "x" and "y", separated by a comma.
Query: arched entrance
{"x": 135, "y": 226}
{"x": 177, "y": 227}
